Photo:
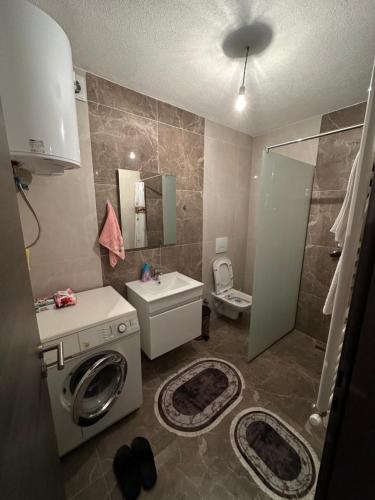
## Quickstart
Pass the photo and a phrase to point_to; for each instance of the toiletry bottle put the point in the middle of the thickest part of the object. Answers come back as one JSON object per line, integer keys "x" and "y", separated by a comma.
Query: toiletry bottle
{"x": 146, "y": 272}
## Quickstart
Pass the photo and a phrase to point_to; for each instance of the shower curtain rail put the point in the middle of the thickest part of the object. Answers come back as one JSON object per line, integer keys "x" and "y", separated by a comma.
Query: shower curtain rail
{"x": 316, "y": 136}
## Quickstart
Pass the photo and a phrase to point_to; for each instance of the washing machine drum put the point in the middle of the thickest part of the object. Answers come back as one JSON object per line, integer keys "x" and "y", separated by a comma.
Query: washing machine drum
{"x": 93, "y": 387}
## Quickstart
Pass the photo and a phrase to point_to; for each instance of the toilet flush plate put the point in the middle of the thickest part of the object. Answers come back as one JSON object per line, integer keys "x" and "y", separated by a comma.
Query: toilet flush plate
{"x": 222, "y": 244}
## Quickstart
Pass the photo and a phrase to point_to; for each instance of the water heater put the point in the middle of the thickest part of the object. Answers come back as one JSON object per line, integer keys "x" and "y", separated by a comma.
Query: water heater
{"x": 37, "y": 89}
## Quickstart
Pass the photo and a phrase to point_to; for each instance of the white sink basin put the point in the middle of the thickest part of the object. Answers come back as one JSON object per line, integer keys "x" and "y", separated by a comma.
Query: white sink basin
{"x": 169, "y": 311}
{"x": 170, "y": 285}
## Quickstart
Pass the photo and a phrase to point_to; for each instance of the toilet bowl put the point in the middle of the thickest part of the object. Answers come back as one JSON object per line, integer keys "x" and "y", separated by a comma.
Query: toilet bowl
{"x": 228, "y": 301}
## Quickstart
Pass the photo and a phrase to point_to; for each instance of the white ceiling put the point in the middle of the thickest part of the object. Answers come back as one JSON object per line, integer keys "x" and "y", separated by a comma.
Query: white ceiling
{"x": 319, "y": 59}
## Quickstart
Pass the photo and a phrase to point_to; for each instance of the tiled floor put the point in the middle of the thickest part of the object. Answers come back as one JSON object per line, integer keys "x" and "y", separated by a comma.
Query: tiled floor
{"x": 284, "y": 379}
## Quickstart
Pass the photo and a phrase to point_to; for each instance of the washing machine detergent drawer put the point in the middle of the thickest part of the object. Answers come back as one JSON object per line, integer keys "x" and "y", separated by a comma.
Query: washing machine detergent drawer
{"x": 93, "y": 337}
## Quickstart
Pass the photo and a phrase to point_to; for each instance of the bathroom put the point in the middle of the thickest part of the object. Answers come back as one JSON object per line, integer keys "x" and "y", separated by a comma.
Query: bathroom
{"x": 216, "y": 141}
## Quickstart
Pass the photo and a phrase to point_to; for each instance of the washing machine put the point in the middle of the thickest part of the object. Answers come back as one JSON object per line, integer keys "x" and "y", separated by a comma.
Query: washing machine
{"x": 93, "y": 367}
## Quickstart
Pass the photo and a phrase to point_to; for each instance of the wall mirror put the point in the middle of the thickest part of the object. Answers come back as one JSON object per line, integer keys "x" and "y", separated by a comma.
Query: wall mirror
{"x": 147, "y": 208}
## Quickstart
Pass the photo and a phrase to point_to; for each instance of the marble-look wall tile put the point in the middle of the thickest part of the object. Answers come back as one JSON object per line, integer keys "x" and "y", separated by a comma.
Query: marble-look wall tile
{"x": 336, "y": 154}
{"x": 310, "y": 318}
{"x": 154, "y": 209}
{"x": 181, "y": 154}
{"x": 324, "y": 208}
{"x": 335, "y": 158}
{"x": 189, "y": 217}
{"x": 114, "y": 135}
{"x": 104, "y": 193}
{"x": 180, "y": 118}
{"x": 189, "y": 231}
{"x": 344, "y": 117}
{"x": 318, "y": 270}
{"x": 186, "y": 259}
{"x": 130, "y": 268}
{"x": 189, "y": 204}
{"x": 164, "y": 139}
{"x": 155, "y": 238}
{"x": 110, "y": 94}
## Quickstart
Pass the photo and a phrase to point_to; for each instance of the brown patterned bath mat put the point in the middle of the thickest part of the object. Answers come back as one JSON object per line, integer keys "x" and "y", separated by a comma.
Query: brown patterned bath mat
{"x": 278, "y": 459}
{"x": 195, "y": 399}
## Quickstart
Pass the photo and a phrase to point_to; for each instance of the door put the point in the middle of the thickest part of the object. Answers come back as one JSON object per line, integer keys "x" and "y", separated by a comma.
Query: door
{"x": 29, "y": 467}
{"x": 282, "y": 216}
{"x": 95, "y": 385}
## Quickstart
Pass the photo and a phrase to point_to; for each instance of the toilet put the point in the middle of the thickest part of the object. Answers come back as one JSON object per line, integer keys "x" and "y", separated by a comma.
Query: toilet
{"x": 228, "y": 301}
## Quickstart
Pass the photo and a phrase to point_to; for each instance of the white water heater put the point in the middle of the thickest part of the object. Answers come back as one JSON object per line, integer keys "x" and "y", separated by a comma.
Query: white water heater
{"x": 37, "y": 89}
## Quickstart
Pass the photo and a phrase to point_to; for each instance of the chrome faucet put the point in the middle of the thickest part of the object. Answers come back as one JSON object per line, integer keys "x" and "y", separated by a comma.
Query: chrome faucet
{"x": 157, "y": 274}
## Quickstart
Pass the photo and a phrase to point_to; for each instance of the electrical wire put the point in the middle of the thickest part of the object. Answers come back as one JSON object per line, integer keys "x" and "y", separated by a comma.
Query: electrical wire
{"x": 23, "y": 194}
{"x": 245, "y": 65}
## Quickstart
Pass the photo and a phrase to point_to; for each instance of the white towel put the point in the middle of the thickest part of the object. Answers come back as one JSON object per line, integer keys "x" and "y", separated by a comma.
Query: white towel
{"x": 139, "y": 194}
{"x": 339, "y": 230}
{"x": 140, "y": 230}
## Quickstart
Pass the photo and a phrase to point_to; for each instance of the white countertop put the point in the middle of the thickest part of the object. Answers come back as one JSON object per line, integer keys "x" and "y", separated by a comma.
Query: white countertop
{"x": 93, "y": 308}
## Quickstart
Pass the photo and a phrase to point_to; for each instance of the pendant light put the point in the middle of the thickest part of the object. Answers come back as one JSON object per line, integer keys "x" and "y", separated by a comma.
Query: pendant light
{"x": 241, "y": 98}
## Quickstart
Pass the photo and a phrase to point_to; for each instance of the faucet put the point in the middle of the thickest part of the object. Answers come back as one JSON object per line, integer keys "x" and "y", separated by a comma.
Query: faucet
{"x": 157, "y": 274}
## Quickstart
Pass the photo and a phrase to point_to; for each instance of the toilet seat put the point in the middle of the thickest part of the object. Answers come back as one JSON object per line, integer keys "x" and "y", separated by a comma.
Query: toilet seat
{"x": 230, "y": 298}
{"x": 223, "y": 275}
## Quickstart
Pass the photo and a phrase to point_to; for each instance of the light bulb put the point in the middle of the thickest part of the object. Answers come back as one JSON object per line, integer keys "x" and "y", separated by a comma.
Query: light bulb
{"x": 241, "y": 99}
{"x": 132, "y": 155}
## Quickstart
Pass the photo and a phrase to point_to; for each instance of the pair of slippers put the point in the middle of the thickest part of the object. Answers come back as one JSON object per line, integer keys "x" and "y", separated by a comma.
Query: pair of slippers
{"x": 134, "y": 467}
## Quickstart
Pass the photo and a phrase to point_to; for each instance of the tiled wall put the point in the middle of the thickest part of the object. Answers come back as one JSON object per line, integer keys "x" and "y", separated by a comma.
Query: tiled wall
{"x": 165, "y": 139}
{"x": 335, "y": 158}
{"x": 227, "y": 163}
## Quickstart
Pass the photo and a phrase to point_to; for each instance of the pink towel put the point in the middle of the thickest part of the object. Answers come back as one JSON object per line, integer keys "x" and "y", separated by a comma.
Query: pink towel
{"x": 111, "y": 237}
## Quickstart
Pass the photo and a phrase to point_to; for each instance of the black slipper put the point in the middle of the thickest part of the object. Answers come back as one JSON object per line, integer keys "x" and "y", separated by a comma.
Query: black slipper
{"x": 126, "y": 469}
{"x": 142, "y": 450}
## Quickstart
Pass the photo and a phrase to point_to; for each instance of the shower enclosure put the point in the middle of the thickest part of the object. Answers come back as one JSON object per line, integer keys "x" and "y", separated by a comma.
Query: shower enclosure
{"x": 282, "y": 216}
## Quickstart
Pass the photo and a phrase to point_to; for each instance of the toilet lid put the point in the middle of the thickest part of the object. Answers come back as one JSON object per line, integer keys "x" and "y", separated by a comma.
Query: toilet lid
{"x": 223, "y": 274}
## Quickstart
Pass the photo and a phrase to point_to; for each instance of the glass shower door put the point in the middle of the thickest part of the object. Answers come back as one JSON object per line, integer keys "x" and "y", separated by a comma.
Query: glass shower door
{"x": 282, "y": 216}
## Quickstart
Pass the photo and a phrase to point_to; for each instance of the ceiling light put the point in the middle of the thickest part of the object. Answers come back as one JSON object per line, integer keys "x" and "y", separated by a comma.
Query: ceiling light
{"x": 132, "y": 155}
{"x": 241, "y": 98}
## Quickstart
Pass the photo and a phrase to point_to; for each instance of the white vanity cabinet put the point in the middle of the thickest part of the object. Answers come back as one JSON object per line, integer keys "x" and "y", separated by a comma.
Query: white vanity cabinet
{"x": 169, "y": 311}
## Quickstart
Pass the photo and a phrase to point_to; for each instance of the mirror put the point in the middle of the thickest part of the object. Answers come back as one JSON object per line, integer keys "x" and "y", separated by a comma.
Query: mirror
{"x": 147, "y": 208}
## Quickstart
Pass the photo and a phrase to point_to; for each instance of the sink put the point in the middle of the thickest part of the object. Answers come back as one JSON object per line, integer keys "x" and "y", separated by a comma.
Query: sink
{"x": 169, "y": 311}
{"x": 169, "y": 285}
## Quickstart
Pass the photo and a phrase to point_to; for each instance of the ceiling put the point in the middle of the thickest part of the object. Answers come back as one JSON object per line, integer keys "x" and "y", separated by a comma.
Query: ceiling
{"x": 319, "y": 58}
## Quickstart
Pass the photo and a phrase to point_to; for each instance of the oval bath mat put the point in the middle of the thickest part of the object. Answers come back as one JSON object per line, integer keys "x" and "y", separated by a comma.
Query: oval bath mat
{"x": 279, "y": 459}
{"x": 195, "y": 399}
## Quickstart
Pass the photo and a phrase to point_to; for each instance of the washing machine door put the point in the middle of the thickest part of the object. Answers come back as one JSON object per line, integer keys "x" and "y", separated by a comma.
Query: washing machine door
{"x": 95, "y": 385}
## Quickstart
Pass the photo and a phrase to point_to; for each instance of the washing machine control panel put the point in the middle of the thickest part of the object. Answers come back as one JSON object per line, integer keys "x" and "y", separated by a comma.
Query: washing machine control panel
{"x": 122, "y": 328}
{"x": 107, "y": 332}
